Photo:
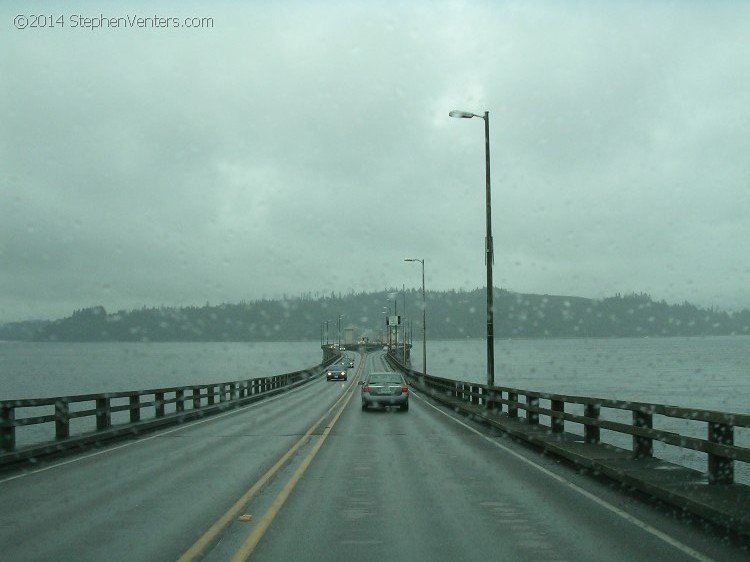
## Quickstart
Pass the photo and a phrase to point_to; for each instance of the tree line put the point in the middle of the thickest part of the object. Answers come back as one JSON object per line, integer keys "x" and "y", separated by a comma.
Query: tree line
{"x": 450, "y": 315}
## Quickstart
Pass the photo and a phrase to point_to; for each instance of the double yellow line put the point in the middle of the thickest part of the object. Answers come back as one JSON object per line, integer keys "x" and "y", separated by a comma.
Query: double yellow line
{"x": 244, "y": 552}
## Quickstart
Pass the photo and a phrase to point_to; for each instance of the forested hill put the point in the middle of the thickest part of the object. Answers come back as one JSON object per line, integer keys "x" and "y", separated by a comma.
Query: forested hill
{"x": 450, "y": 315}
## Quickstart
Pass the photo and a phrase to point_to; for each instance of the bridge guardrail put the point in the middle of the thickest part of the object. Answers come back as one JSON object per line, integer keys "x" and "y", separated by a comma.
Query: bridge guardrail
{"x": 143, "y": 410}
{"x": 720, "y": 429}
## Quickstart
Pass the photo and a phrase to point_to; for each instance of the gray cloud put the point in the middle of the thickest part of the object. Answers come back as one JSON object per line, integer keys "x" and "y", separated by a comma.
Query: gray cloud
{"x": 306, "y": 148}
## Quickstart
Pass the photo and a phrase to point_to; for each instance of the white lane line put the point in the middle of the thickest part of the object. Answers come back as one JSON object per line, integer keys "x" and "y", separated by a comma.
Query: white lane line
{"x": 606, "y": 505}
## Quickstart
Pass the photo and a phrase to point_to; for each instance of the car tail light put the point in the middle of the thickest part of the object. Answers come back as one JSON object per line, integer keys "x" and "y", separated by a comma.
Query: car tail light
{"x": 365, "y": 388}
{"x": 404, "y": 389}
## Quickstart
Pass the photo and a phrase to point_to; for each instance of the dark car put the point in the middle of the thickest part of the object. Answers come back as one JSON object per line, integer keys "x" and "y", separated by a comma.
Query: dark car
{"x": 385, "y": 389}
{"x": 336, "y": 373}
{"x": 350, "y": 363}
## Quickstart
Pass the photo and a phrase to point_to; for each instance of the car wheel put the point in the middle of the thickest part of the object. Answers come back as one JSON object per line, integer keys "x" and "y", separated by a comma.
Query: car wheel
{"x": 405, "y": 407}
{"x": 364, "y": 407}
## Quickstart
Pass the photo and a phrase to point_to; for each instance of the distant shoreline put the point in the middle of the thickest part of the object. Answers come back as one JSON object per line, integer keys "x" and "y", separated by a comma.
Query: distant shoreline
{"x": 352, "y": 347}
{"x": 450, "y": 315}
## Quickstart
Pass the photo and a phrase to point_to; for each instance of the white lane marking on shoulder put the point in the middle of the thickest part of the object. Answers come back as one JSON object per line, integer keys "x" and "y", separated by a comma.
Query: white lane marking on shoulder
{"x": 606, "y": 505}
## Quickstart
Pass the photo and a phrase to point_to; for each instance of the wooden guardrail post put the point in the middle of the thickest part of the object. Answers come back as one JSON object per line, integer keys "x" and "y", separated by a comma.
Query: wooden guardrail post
{"x": 211, "y": 391}
{"x": 494, "y": 400}
{"x": 591, "y": 433}
{"x": 513, "y": 404}
{"x": 7, "y": 427}
{"x": 135, "y": 408}
{"x": 474, "y": 393}
{"x": 532, "y": 418}
{"x": 643, "y": 447}
{"x": 103, "y": 413}
{"x": 196, "y": 398}
{"x": 720, "y": 468}
{"x": 159, "y": 404}
{"x": 558, "y": 424}
{"x": 179, "y": 400}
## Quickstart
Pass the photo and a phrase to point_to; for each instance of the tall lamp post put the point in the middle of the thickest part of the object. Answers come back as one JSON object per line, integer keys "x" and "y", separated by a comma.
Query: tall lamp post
{"x": 339, "y": 331}
{"x": 488, "y": 250}
{"x": 387, "y": 328}
{"x": 424, "y": 319}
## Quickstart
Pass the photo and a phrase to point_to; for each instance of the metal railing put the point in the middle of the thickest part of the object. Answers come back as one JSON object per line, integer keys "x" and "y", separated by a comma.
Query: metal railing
{"x": 718, "y": 445}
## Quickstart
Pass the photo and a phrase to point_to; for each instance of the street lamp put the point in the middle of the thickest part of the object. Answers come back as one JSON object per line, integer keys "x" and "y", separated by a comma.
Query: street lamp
{"x": 488, "y": 250}
{"x": 424, "y": 319}
{"x": 387, "y": 328}
{"x": 339, "y": 330}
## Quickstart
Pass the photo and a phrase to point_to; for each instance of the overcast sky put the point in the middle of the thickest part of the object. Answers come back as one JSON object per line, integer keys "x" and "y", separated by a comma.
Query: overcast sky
{"x": 305, "y": 147}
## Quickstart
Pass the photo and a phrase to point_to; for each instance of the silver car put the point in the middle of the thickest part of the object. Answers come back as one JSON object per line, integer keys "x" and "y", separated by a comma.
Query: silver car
{"x": 385, "y": 389}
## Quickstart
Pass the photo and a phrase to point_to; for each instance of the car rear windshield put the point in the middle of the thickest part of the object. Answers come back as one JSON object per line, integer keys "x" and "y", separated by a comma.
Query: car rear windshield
{"x": 385, "y": 378}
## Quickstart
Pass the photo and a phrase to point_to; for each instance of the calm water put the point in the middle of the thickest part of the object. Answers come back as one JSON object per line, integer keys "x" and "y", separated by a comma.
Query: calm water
{"x": 710, "y": 373}
{"x": 40, "y": 370}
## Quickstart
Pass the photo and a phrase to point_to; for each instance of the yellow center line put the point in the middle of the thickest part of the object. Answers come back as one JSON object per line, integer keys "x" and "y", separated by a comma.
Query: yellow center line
{"x": 197, "y": 549}
{"x": 244, "y": 552}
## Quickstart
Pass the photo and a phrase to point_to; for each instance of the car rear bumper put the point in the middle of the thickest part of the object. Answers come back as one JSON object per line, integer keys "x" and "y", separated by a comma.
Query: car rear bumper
{"x": 399, "y": 400}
